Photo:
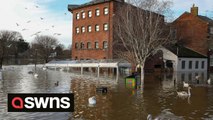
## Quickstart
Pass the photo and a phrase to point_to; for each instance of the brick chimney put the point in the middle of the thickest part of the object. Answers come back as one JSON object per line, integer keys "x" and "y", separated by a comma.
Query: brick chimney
{"x": 194, "y": 10}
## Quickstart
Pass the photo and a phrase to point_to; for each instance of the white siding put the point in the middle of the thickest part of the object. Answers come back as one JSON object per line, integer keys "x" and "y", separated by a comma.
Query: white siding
{"x": 168, "y": 55}
{"x": 179, "y": 67}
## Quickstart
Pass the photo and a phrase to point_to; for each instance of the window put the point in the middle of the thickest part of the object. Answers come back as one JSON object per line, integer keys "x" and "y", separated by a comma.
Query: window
{"x": 105, "y": 45}
{"x": 89, "y": 28}
{"x": 83, "y": 29}
{"x": 97, "y": 27}
{"x": 77, "y": 16}
{"x": 77, "y": 30}
{"x": 190, "y": 64}
{"x": 82, "y": 45}
{"x": 105, "y": 27}
{"x": 196, "y": 64}
{"x": 83, "y": 15}
{"x": 96, "y": 45}
{"x": 183, "y": 64}
{"x": 76, "y": 45}
{"x": 89, "y": 45}
{"x": 97, "y": 12}
{"x": 183, "y": 77}
{"x": 90, "y": 14}
{"x": 106, "y": 11}
{"x": 203, "y": 64}
{"x": 190, "y": 76}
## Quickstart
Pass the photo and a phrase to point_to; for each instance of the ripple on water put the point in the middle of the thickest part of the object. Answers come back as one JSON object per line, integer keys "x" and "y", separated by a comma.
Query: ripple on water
{"x": 17, "y": 80}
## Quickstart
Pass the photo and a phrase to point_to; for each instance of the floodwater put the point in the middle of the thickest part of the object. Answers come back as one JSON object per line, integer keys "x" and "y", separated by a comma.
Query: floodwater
{"x": 158, "y": 97}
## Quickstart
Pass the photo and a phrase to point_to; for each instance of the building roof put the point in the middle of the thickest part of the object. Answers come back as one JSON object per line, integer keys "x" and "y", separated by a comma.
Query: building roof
{"x": 93, "y": 2}
{"x": 204, "y": 18}
{"x": 182, "y": 51}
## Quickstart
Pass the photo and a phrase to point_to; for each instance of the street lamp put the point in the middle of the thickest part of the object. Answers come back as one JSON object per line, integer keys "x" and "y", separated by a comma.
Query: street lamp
{"x": 55, "y": 53}
{"x": 35, "y": 58}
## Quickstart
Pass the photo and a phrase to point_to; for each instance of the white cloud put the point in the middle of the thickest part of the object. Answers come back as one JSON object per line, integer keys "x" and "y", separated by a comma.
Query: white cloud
{"x": 28, "y": 14}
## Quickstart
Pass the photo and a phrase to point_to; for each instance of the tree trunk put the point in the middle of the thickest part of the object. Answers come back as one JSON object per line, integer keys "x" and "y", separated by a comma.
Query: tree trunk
{"x": 142, "y": 76}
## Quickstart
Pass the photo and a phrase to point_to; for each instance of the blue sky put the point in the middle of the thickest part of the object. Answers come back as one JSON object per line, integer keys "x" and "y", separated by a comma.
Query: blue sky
{"x": 51, "y": 17}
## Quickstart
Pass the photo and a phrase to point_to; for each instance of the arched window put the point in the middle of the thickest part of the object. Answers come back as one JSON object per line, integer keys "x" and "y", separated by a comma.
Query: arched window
{"x": 76, "y": 45}
{"x": 82, "y": 29}
{"x": 96, "y": 45}
{"x": 89, "y": 13}
{"x": 105, "y": 45}
{"x": 83, "y": 15}
{"x": 106, "y": 11}
{"x": 97, "y": 27}
{"x": 82, "y": 45}
{"x": 97, "y": 12}
{"x": 77, "y": 30}
{"x": 77, "y": 16}
{"x": 105, "y": 27}
{"x": 89, "y": 45}
{"x": 89, "y": 28}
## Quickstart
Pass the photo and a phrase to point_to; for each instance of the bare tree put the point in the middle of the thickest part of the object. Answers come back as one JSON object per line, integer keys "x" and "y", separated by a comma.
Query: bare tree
{"x": 140, "y": 30}
{"x": 7, "y": 39}
{"x": 44, "y": 46}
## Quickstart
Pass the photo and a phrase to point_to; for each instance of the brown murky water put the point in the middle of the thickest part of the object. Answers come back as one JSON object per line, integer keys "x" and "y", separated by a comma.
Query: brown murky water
{"x": 159, "y": 97}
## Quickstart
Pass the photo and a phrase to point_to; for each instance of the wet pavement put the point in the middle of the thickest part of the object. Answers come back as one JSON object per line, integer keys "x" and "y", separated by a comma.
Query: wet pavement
{"x": 158, "y": 98}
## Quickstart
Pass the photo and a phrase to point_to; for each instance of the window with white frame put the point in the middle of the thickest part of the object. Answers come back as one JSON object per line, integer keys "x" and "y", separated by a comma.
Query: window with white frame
{"x": 89, "y": 28}
{"x": 97, "y": 28}
{"x": 105, "y": 27}
{"x": 96, "y": 45}
{"x": 77, "y": 16}
{"x": 97, "y": 12}
{"x": 89, "y": 13}
{"x": 106, "y": 10}
{"x": 77, "y": 30}
{"x": 105, "y": 45}
{"x": 83, "y": 15}
{"x": 82, "y": 29}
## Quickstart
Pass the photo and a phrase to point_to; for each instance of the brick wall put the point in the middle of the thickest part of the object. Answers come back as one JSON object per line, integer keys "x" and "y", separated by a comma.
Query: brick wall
{"x": 93, "y": 36}
{"x": 192, "y": 32}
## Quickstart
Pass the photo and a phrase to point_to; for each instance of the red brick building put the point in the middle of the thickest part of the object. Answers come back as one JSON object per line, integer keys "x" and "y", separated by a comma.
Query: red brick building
{"x": 194, "y": 31}
{"x": 93, "y": 29}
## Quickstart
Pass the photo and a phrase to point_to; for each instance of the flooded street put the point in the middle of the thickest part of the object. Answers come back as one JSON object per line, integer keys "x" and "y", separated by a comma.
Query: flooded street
{"x": 159, "y": 96}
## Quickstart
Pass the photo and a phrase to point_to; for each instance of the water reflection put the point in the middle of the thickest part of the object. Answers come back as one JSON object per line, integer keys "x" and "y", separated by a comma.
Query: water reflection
{"x": 17, "y": 80}
{"x": 159, "y": 96}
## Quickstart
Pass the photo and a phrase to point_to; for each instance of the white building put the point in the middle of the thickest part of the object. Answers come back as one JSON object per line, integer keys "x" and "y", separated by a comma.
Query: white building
{"x": 180, "y": 58}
